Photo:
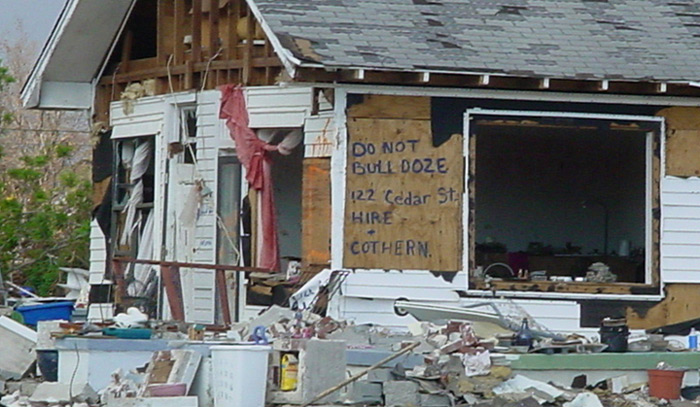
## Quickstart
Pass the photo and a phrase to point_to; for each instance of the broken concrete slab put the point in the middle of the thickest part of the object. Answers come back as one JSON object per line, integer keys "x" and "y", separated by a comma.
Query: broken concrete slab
{"x": 18, "y": 353}
{"x": 435, "y": 400}
{"x": 55, "y": 392}
{"x": 365, "y": 392}
{"x": 401, "y": 393}
{"x": 186, "y": 401}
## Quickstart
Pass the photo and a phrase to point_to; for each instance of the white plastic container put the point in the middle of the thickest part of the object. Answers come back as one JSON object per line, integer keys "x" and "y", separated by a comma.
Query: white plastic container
{"x": 239, "y": 375}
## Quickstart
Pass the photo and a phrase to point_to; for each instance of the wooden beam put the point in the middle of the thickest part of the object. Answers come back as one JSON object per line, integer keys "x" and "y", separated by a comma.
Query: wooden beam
{"x": 179, "y": 32}
{"x": 173, "y": 289}
{"x": 248, "y": 55}
{"x": 181, "y": 69}
{"x": 214, "y": 43}
{"x": 196, "y": 30}
{"x": 126, "y": 50}
{"x": 223, "y": 295}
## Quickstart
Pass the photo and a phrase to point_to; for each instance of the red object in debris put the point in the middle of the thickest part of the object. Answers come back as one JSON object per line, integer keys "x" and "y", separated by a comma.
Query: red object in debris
{"x": 665, "y": 384}
{"x": 253, "y": 154}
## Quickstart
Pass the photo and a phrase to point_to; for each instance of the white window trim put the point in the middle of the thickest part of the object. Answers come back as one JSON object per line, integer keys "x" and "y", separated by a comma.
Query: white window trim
{"x": 648, "y": 221}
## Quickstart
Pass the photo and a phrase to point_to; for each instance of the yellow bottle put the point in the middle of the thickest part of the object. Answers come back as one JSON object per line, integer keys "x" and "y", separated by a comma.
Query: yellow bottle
{"x": 289, "y": 370}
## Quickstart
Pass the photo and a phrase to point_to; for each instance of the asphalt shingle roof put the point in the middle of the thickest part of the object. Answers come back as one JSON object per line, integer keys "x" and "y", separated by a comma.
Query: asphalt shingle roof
{"x": 656, "y": 40}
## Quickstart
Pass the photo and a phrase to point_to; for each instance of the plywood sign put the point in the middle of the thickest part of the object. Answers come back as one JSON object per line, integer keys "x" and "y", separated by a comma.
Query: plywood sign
{"x": 404, "y": 197}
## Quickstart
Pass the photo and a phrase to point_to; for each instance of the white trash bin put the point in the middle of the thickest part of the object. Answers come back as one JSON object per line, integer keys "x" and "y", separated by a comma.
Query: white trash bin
{"x": 239, "y": 375}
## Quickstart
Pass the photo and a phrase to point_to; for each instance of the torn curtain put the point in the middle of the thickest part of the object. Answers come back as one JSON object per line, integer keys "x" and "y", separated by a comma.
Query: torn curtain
{"x": 254, "y": 155}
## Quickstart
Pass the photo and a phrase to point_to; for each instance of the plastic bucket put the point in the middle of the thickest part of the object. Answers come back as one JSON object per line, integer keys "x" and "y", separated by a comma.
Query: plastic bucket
{"x": 665, "y": 384}
{"x": 239, "y": 375}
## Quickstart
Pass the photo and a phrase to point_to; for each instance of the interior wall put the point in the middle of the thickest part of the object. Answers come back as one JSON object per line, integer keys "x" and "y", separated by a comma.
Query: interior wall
{"x": 286, "y": 179}
{"x": 531, "y": 182}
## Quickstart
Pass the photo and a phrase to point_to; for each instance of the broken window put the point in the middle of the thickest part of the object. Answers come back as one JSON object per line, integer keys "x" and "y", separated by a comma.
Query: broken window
{"x": 562, "y": 198}
{"x": 133, "y": 215}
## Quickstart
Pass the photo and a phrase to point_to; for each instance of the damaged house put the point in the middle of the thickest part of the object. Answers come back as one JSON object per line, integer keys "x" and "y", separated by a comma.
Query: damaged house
{"x": 444, "y": 152}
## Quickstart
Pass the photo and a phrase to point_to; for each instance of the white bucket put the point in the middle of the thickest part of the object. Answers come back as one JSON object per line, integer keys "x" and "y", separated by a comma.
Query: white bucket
{"x": 239, "y": 375}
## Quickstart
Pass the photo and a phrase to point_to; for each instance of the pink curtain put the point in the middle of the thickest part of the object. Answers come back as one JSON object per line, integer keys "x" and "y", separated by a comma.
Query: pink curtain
{"x": 254, "y": 155}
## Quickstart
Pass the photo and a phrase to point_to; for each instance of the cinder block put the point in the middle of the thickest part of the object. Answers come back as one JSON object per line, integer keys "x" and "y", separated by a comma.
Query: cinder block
{"x": 324, "y": 366}
{"x": 401, "y": 393}
{"x": 364, "y": 392}
{"x": 379, "y": 375}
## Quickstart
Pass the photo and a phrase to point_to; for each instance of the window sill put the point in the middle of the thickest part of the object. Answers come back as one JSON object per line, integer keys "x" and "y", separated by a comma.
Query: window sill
{"x": 566, "y": 287}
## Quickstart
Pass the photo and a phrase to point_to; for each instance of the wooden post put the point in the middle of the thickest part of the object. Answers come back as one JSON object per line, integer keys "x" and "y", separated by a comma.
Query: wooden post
{"x": 196, "y": 30}
{"x": 179, "y": 33}
{"x": 173, "y": 289}
{"x": 248, "y": 55}
{"x": 118, "y": 271}
{"x": 214, "y": 42}
{"x": 223, "y": 295}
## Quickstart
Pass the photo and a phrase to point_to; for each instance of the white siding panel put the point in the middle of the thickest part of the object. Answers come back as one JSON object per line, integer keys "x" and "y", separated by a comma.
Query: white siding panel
{"x": 98, "y": 253}
{"x": 680, "y": 236}
{"x": 274, "y": 106}
{"x": 319, "y": 133}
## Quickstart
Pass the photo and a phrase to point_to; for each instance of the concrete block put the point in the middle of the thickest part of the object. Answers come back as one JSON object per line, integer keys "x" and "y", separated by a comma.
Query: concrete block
{"x": 56, "y": 392}
{"x": 365, "y": 392}
{"x": 435, "y": 400}
{"x": 18, "y": 354}
{"x": 401, "y": 393}
{"x": 380, "y": 375}
{"x": 323, "y": 366}
{"x": 187, "y": 401}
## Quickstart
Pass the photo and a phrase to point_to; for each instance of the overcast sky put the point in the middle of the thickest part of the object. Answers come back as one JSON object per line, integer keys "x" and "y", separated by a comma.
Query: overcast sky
{"x": 36, "y": 16}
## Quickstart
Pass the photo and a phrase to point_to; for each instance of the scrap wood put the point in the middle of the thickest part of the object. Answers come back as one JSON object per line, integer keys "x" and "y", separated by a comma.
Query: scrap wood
{"x": 361, "y": 374}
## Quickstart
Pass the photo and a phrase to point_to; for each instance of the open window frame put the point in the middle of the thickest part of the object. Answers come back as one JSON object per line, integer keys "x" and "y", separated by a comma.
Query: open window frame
{"x": 654, "y": 165}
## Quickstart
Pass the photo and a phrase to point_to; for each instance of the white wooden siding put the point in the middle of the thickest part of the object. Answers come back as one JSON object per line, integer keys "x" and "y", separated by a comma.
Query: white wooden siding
{"x": 319, "y": 133}
{"x": 278, "y": 107}
{"x": 98, "y": 254}
{"x": 680, "y": 234}
{"x": 368, "y": 296}
{"x": 145, "y": 119}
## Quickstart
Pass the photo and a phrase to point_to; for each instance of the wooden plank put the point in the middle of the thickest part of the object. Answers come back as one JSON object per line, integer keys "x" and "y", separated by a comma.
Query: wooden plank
{"x": 316, "y": 212}
{"x": 682, "y": 141}
{"x": 404, "y": 197}
{"x": 173, "y": 289}
{"x": 179, "y": 32}
{"x": 196, "y": 30}
{"x": 392, "y": 107}
{"x": 223, "y": 295}
{"x": 165, "y": 27}
{"x": 683, "y": 152}
{"x": 680, "y": 304}
{"x": 214, "y": 43}
{"x": 126, "y": 50}
{"x": 248, "y": 54}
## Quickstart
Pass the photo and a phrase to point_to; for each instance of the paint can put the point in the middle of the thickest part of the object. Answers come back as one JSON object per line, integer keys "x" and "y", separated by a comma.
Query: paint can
{"x": 614, "y": 333}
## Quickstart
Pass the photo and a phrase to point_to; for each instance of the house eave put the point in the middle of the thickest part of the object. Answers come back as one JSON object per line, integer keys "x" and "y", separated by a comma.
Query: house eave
{"x": 71, "y": 59}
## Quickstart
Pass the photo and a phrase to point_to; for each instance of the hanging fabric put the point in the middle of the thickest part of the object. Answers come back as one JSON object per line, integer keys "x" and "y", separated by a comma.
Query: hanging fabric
{"x": 254, "y": 155}
{"x": 139, "y": 165}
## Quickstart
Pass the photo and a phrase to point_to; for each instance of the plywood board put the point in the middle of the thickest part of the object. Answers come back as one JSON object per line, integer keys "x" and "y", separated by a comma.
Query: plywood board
{"x": 682, "y": 141}
{"x": 403, "y": 197}
{"x": 679, "y": 305}
{"x": 393, "y": 107}
{"x": 316, "y": 212}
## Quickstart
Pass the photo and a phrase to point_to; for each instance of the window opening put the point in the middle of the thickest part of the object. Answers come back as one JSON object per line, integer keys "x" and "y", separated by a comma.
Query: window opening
{"x": 561, "y": 199}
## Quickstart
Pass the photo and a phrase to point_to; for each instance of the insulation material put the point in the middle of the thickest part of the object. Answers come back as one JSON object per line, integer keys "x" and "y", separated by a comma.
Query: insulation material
{"x": 254, "y": 155}
{"x": 138, "y": 164}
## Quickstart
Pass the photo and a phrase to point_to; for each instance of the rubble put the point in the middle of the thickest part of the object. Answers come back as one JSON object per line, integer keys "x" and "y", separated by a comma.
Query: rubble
{"x": 440, "y": 365}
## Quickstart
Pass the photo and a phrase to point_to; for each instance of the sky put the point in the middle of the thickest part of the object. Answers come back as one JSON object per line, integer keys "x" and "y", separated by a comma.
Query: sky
{"x": 36, "y": 16}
